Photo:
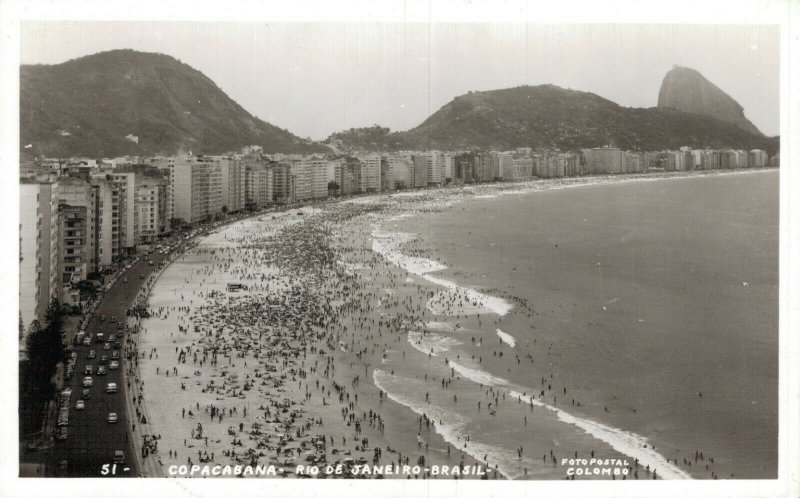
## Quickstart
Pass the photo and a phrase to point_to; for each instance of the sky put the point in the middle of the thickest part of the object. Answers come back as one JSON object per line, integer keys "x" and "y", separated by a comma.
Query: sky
{"x": 318, "y": 78}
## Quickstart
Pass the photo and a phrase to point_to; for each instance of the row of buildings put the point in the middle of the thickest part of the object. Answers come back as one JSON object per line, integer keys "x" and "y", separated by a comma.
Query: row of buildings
{"x": 82, "y": 216}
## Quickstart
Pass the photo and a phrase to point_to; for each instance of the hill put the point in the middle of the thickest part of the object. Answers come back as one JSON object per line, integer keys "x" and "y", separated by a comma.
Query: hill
{"x": 689, "y": 91}
{"x": 550, "y": 116}
{"x": 88, "y": 106}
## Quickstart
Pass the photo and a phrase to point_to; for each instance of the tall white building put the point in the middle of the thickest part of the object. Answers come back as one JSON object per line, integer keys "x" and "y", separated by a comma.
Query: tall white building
{"x": 189, "y": 183}
{"x": 128, "y": 181}
{"x": 370, "y": 173}
{"x": 505, "y": 165}
{"x": 39, "y": 252}
{"x": 233, "y": 184}
{"x": 258, "y": 184}
{"x": 310, "y": 179}
{"x": 403, "y": 171}
{"x": 151, "y": 202}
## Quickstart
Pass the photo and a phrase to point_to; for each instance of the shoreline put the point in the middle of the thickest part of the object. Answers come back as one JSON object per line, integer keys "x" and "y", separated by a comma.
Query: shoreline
{"x": 515, "y": 187}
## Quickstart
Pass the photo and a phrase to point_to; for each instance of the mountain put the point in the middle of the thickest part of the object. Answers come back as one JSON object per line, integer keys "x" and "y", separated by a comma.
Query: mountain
{"x": 550, "y": 116}
{"x": 88, "y": 106}
{"x": 689, "y": 91}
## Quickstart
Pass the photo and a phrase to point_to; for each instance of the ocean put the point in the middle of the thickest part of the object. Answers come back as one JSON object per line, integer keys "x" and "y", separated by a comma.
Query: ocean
{"x": 645, "y": 311}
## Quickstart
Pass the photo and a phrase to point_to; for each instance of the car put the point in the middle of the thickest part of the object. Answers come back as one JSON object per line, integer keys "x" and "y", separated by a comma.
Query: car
{"x": 115, "y": 355}
{"x": 117, "y": 345}
{"x": 114, "y": 365}
{"x": 113, "y": 319}
{"x": 119, "y": 326}
{"x": 102, "y": 318}
{"x": 150, "y": 263}
{"x": 99, "y": 338}
{"x": 107, "y": 346}
{"x": 88, "y": 369}
{"x": 111, "y": 388}
{"x": 92, "y": 354}
{"x": 141, "y": 276}
{"x": 125, "y": 280}
{"x": 87, "y": 341}
{"x": 62, "y": 434}
{"x": 112, "y": 418}
{"x": 112, "y": 337}
{"x": 101, "y": 370}
{"x": 119, "y": 457}
{"x": 88, "y": 382}
{"x": 80, "y": 405}
{"x": 104, "y": 360}
{"x": 86, "y": 394}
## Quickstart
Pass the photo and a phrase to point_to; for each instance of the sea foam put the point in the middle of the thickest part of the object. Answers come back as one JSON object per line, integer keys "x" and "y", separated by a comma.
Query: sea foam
{"x": 447, "y": 423}
{"x": 387, "y": 244}
{"x": 627, "y": 443}
{"x": 506, "y": 338}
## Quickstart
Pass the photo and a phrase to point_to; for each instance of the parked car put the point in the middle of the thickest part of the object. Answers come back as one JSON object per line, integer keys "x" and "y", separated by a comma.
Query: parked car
{"x": 88, "y": 369}
{"x": 119, "y": 457}
{"x": 104, "y": 360}
{"x": 114, "y": 365}
{"x": 87, "y": 381}
{"x": 111, "y": 388}
{"x": 101, "y": 370}
{"x": 112, "y": 418}
{"x": 86, "y": 394}
{"x": 92, "y": 354}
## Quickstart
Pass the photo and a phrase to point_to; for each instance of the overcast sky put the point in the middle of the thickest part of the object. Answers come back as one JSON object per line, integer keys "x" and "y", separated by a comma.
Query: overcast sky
{"x": 314, "y": 79}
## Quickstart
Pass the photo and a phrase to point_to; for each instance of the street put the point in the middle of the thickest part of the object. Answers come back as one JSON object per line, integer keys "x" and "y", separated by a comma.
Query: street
{"x": 92, "y": 440}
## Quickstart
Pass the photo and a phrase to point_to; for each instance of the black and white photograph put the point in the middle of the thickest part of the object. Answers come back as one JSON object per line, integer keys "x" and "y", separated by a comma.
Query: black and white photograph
{"x": 464, "y": 253}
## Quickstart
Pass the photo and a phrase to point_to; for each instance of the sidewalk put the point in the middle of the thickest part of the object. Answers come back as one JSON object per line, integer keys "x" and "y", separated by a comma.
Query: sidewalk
{"x": 150, "y": 466}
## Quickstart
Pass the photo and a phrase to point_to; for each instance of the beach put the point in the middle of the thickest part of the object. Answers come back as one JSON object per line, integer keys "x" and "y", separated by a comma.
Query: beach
{"x": 388, "y": 329}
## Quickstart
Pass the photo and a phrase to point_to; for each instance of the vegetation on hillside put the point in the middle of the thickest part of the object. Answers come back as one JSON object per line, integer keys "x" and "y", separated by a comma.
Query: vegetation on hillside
{"x": 88, "y": 106}
{"x": 550, "y": 116}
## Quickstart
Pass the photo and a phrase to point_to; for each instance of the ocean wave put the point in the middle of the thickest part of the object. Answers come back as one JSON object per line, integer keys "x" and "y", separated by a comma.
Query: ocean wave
{"x": 628, "y": 443}
{"x": 506, "y": 338}
{"x": 470, "y": 300}
{"x": 450, "y": 425}
{"x": 432, "y": 344}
